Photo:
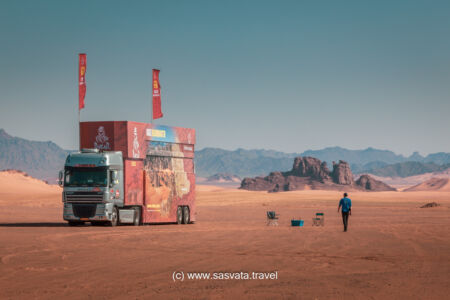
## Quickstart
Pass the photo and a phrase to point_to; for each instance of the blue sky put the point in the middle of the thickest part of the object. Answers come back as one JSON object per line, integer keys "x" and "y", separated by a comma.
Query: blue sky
{"x": 286, "y": 75}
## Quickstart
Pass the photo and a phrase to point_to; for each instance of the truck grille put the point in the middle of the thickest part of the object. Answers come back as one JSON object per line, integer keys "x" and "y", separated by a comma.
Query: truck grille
{"x": 84, "y": 197}
{"x": 84, "y": 210}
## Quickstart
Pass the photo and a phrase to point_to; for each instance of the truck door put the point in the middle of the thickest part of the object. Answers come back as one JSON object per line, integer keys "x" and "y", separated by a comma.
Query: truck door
{"x": 116, "y": 186}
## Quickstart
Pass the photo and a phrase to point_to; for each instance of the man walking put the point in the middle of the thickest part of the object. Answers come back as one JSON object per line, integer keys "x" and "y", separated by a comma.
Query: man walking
{"x": 346, "y": 204}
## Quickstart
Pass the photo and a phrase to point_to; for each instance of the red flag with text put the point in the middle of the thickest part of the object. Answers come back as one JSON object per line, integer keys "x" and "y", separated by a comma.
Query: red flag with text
{"x": 81, "y": 80}
{"x": 157, "y": 113}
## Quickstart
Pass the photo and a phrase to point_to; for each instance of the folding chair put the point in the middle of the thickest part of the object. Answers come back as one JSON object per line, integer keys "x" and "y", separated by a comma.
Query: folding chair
{"x": 272, "y": 218}
{"x": 319, "y": 219}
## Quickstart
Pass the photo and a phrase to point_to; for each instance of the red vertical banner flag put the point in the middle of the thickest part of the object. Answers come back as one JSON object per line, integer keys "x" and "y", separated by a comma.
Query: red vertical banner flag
{"x": 157, "y": 113}
{"x": 81, "y": 80}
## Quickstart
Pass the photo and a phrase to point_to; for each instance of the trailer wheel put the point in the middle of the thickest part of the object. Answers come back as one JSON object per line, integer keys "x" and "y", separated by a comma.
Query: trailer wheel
{"x": 179, "y": 215}
{"x": 114, "y": 218}
{"x": 186, "y": 215}
{"x": 137, "y": 216}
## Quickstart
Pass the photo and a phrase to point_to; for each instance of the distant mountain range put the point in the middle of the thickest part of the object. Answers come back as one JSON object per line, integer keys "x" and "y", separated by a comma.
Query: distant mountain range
{"x": 43, "y": 160}
{"x": 220, "y": 179}
{"x": 210, "y": 161}
{"x": 247, "y": 163}
{"x": 406, "y": 169}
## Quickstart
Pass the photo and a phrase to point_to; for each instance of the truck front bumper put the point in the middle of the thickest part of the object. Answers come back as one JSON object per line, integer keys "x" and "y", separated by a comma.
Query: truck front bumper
{"x": 87, "y": 212}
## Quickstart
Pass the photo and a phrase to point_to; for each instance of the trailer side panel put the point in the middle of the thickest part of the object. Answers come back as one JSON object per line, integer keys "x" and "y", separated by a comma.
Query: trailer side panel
{"x": 134, "y": 182}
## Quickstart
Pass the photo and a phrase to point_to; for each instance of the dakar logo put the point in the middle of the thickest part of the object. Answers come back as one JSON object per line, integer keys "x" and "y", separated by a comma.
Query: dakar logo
{"x": 136, "y": 151}
{"x": 101, "y": 140}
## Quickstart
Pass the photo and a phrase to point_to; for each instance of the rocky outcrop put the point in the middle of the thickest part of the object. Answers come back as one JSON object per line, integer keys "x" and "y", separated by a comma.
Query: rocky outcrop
{"x": 277, "y": 188}
{"x": 310, "y": 172}
{"x": 310, "y": 167}
{"x": 342, "y": 174}
{"x": 275, "y": 182}
{"x": 256, "y": 184}
{"x": 368, "y": 183}
{"x": 431, "y": 204}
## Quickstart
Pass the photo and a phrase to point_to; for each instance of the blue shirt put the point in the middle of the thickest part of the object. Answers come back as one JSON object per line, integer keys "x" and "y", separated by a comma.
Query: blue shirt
{"x": 346, "y": 204}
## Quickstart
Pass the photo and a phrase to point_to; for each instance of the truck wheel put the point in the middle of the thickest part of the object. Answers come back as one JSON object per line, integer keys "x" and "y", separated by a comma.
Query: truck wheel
{"x": 179, "y": 215}
{"x": 137, "y": 216}
{"x": 186, "y": 216}
{"x": 114, "y": 218}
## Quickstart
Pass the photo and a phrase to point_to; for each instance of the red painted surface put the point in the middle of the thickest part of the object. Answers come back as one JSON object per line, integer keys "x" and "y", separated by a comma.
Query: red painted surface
{"x": 119, "y": 136}
{"x": 157, "y": 177}
{"x": 134, "y": 182}
{"x": 169, "y": 183}
{"x": 137, "y": 140}
{"x": 157, "y": 113}
{"x": 81, "y": 80}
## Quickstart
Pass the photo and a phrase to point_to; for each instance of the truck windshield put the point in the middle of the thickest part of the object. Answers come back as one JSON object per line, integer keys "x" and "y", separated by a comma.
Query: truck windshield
{"x": 75, "y": 176}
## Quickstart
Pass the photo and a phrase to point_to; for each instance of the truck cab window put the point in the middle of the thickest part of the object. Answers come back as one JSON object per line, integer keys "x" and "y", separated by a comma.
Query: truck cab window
{"x": 78, "y": 176}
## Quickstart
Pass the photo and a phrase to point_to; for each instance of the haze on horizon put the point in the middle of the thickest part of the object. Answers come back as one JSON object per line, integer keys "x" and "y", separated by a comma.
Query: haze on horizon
{"x": 290, "y": 77}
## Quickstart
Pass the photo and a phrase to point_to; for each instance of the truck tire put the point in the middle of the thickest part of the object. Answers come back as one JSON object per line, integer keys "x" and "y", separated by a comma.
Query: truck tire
{"x": 137, "y": 216}
{"x": 114, "y": 218}
{"x": 179, "y": 215}
{"x": 186, "y": 215}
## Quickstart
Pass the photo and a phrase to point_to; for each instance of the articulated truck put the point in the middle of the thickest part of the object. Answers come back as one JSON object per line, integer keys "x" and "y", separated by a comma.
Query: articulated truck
{"x": 130, "y": 173}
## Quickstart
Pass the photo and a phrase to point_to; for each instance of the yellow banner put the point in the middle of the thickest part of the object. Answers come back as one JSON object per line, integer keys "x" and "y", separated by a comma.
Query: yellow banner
{"x": 157, "y": 133}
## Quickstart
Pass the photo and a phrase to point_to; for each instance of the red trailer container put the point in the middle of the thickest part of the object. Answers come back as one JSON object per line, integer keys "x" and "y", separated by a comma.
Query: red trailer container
{"x": 158, "y": 166}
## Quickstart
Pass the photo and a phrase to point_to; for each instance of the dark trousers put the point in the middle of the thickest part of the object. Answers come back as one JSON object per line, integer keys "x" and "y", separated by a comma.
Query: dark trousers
{"x": 345, "y": 219}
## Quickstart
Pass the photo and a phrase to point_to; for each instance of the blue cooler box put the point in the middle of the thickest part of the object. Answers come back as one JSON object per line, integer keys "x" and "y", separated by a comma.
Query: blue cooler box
{"x": 297, "y": 223}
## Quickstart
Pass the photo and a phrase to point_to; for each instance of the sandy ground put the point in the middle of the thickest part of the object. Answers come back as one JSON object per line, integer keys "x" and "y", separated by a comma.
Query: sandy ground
{"x": 393, "y": 249}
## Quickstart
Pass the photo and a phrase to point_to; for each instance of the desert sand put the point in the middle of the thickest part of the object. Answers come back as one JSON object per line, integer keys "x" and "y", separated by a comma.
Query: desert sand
{"x": 393, "y": 249}
{"x": 433, "y": 184}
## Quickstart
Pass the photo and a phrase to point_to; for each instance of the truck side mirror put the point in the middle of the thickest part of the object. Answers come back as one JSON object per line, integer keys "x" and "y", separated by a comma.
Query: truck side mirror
{"x": 60, "y": 181}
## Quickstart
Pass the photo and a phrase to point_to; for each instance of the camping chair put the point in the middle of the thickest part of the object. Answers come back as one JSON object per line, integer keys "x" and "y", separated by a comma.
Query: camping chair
{"x": 319, "y": 219}
{"x": 272, "y": 218}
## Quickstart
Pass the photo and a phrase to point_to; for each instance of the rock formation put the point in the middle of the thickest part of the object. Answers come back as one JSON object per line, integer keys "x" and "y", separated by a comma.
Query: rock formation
{"x": 431, "y": 204}
{"x": 342, "y": 174}
{"x": 310, "y": 167}
{"x": 368, "y": 183}
{"x": 256, "y": 184}
{"x": 310, "y": 172}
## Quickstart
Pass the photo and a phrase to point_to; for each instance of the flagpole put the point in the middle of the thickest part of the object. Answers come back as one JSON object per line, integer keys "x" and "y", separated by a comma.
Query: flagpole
{"x": 79, "y": 130}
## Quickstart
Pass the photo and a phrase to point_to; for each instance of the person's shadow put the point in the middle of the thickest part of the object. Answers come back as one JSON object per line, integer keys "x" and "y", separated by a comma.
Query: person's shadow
{"x": 47, "y": 224}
